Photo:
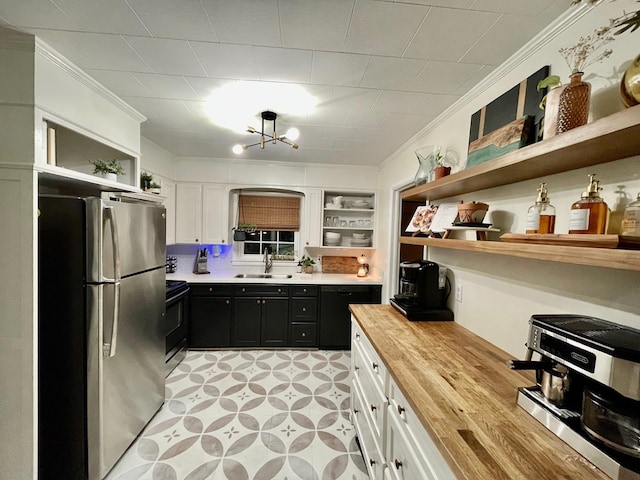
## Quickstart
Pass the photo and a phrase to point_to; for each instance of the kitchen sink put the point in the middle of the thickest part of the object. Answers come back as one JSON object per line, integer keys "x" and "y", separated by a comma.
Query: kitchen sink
{"x": 262, "y": 275}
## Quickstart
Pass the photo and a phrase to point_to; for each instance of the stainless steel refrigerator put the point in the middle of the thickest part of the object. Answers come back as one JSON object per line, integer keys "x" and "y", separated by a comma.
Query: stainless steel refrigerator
{"x": 101, "y": 352}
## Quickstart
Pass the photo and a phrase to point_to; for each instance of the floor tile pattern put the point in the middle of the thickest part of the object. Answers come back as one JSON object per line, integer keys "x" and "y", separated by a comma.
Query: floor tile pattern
{"x": 250, "y": 415}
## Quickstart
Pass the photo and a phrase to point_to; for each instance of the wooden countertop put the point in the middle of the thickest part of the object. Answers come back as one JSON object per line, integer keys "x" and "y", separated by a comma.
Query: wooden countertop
{"x": 465, "y": 395}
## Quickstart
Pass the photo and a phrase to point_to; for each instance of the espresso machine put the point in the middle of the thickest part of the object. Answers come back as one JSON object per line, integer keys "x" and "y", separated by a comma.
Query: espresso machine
{"x": 588, "y": 388}
{"x": 424, "y": 290}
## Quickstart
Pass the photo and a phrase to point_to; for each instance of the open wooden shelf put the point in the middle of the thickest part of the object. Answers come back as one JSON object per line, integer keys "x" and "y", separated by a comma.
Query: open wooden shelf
{"x": 611, "y": 138}
{"x": 595, "y": 257}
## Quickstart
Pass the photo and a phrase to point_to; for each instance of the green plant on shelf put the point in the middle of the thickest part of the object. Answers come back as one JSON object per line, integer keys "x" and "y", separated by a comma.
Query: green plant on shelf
{"x": 109, "y": 166}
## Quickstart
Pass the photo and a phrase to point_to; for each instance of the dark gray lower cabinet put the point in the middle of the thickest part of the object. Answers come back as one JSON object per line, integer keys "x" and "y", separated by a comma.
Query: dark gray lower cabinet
{"x": 260, "y": 315}
{"x": 210, "y": 316}
{"x": 335, "y": 317}
{"x": 260, "y": 322}
{"x": 268, "y": 315}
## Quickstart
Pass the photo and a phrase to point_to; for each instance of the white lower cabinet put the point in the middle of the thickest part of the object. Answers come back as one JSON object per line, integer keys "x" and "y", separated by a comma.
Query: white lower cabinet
{"x": 371, "y": 448}
{"x": 394, "y": 443}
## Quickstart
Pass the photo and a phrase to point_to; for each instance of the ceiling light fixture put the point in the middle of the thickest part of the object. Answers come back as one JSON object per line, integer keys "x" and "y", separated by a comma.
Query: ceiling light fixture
{"x": 288, "y": 138}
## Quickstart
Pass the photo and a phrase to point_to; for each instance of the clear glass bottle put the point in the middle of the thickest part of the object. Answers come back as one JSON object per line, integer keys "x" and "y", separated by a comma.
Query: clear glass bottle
{"x": 541, "y": 217}
{"x": 590, "y": 214}
{"x": 631, "y": 220}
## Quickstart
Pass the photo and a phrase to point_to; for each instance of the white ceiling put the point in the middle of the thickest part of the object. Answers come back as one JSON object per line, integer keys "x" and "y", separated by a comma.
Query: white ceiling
{"x": 381, "y": 70}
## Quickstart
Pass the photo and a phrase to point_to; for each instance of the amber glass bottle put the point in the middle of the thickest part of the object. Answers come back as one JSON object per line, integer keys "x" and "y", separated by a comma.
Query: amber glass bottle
{"x": 590, "y": 214}
{"x": 541, "y": 217}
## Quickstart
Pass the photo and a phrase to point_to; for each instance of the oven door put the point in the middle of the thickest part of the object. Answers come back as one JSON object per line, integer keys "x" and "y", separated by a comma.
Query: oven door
{"x": 176, "y": 327}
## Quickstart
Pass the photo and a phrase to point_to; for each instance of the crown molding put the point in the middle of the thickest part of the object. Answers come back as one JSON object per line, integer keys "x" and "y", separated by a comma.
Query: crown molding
{"x": 75, "y": 72}
{"x": 549, "y": 33}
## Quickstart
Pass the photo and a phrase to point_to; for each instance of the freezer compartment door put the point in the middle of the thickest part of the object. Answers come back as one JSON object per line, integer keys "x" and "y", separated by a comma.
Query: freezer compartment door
{"x": 128, "y": 236}
{"x": 128, "y": 382}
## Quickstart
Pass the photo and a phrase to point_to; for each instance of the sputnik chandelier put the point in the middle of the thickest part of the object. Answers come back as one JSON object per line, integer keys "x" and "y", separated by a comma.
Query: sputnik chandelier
{"x": 288, "y": 138}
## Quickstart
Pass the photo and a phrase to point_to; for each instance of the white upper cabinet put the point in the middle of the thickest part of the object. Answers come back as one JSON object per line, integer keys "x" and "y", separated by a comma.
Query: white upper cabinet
{"x": 348, "y": 219}
{"x": 215, "y": 214}
{"x": 202, "y": 213}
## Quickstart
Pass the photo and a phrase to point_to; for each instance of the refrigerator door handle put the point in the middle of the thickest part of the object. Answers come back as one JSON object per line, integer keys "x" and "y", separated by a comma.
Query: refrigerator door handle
{"x": 110, "y": 214}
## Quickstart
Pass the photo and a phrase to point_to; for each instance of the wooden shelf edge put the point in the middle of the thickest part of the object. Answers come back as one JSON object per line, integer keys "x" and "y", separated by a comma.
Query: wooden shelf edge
{"x": 614, "y": 137}
{"x": 596, "y": 257}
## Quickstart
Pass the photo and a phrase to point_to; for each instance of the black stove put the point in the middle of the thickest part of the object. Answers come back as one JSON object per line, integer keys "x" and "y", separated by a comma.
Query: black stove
{"x": 175, "y": 286}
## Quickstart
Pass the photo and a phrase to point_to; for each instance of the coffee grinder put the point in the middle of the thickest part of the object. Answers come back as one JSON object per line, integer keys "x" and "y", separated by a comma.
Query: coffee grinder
{"x": 424, "y": 290}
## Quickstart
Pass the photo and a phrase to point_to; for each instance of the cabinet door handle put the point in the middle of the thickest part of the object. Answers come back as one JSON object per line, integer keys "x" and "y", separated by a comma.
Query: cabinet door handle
{"x": 211, "y": 289}
{"x": 374, "y": 365}
{"x": 258, "y": 302}
{"x": 373, "y": 407}
{"x": 372, "y": 462}
{"x": 279, "y": 290}
{"x": 357, "y": 336}
{"x": 304, "y": 290}
{"x": 398, "y": 464}
{"x": 304, "y": 309}
{"x": 227, "y": 302}
{"x": 264, "y": 301}
{"x": 355, "y": 410}
{"x": 400, "y": 410}
{"x": 197, "y": 240}
{"x": 304, "y": 334}
{"x": 244, "y": 289}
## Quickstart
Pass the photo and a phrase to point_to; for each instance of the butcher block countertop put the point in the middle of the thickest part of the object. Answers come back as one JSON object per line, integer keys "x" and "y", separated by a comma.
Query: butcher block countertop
{"x": 465, "y": 395}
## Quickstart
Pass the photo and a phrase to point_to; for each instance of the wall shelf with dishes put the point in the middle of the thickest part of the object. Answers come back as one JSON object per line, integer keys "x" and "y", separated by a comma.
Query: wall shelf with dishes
{"x": 348, "y": 219}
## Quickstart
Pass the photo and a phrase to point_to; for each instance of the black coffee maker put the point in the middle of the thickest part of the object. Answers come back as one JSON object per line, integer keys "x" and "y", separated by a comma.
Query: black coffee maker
{"x": 423, "y": 291}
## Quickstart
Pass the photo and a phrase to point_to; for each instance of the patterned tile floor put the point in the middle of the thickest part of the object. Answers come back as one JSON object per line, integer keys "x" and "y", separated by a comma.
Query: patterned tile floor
{"x": 250, "y": 415}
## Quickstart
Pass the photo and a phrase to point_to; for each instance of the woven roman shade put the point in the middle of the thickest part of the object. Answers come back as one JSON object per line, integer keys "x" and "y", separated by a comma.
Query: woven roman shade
{"x": 270, "y": 212}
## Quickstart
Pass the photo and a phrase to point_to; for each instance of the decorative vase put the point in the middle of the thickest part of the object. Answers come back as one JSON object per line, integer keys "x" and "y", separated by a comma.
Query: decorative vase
{"x": 307, "y": 268}
{"x": 630, "y": 84}
{"x": 441, "y": 171}
{"x": 573, "y": 107}
{"x": 427, "y": 162}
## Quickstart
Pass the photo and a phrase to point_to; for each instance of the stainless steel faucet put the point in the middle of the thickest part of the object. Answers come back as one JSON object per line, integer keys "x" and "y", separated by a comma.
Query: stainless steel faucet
{"x": 268, "y": 263}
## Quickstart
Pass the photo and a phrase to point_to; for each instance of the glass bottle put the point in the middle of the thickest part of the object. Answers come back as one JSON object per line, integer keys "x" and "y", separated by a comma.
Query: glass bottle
{"x": 541, "y": 217}
{"x": 631, "y": 220}
{"x": 573, "y": 107}
{"x": 590, "y": 214}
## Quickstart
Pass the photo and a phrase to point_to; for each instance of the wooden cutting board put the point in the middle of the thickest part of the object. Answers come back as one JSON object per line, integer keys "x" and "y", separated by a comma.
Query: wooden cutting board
{"x": 340, "y": 265}
{"x": 574, "y": 240}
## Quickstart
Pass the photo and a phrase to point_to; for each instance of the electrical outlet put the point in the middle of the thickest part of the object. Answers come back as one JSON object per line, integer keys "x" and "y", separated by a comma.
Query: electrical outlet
{"x": 459, "y": 293}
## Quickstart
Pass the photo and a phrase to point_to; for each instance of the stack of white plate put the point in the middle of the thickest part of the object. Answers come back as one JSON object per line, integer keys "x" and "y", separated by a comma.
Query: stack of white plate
{"x": 331, "y": 239}
{"x": 360, "y": 204}
{"x": 360, "y": 242}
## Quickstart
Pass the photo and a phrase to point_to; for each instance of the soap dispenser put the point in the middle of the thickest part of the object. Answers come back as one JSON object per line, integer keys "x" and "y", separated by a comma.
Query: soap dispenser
{"x": 590, "y": 214}
{"x": 541, "y": 217}
{"x": 631, "y": 221}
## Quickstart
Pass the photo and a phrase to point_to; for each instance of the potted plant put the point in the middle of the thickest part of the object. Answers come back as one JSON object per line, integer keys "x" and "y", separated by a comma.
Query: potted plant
{"x": 108, "y": 170}
{"x": 240, "y": 232}
{"x": 440, "y": 170}
{"x": 145, "y": 181}
{"x": 307, "y": 264}
{"x": 154, "y": 188}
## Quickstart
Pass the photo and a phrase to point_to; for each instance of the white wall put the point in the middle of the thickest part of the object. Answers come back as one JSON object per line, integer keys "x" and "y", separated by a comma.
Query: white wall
{"x": 501, "y": 293}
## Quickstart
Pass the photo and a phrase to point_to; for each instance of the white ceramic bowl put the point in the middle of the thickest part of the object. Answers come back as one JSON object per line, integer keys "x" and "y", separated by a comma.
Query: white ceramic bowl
{"x": 332, "y": 235}
{"x": 358, "y": 236}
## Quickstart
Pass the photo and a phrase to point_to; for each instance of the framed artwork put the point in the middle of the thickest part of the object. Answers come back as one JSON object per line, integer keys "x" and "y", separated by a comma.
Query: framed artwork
{"x": 514, "y": 117}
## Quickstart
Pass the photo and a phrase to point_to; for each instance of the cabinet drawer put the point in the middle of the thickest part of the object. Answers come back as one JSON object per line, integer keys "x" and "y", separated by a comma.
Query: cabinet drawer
{"x": 304, "y": 309}
{"x": 427, "y": 453}
{"x": 371, "y": 451}
{"x": 259, "y": 290}
{"x": 304, "y": 334}
{"x": 402, "y": 460}
{"x": 304, "y": 291}
{"x": 374, "y": 400}
{"x": 371, "y": 361}
{"x": 209, "y": 290}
